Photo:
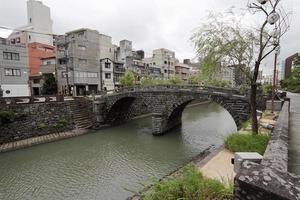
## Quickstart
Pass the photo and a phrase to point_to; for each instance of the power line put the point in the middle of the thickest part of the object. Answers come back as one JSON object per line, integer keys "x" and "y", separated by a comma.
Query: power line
{"x": 24, "y": 30}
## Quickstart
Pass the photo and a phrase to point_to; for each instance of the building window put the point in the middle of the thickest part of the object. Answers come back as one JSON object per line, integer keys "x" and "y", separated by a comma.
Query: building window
{"x": 11, "y": 56}
{"x": 30, "y": 20}
{"x": 18, "y": 40}
{"x": 92, "y": 75}
{"x": 29, "y": 37}
{"x": 12, "y": 72}
{"x": 82, "y": 61}
{"x": 107, "y": 76}
{"x": 166, "y": 71}
{"x": 36, "y": 81}
{"x": 82, "y": 47}
{"x": 166, "y": 62}
{"x": 13, "y": 41}
{"x": 48, "y": 62}
{"x": 64, "y": 74}
{"x": 107, "y": 65}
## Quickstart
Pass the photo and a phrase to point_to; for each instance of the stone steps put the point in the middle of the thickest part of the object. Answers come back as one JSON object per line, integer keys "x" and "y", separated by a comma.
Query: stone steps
{"x": 80, "y": 113}
{"x": 11, "y": 146}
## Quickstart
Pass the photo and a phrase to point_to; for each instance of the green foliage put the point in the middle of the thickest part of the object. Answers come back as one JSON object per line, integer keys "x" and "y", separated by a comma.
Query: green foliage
{"x": 245, "y": 124}
{"x": 293, "y": 82}
{"x": 7, "y": 117}
{"x": 267, "y": 88}
{"x": 223, "y": 41}
{"x": 41, "y": 125}
{"x": 152, "y": 81}
{"x": 175, "y": 80}
{"x": 50, "y": 85}
{"x": 61, "y": 123}
{"x": 195, "y": 80}
{"x": 191, "y": 185}
{"x": 128, "y": 79}
{"x": 218, "y": 83}
{"x": 247, "y": 142}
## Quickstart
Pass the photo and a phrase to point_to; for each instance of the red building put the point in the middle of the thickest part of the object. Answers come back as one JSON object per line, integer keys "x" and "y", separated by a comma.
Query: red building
{"x": 288, "y": 65}
{"x": 37, "y": 52}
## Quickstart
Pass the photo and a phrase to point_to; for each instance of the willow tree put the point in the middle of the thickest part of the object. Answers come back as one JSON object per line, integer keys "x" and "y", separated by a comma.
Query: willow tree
{"x": 222, "y": 40}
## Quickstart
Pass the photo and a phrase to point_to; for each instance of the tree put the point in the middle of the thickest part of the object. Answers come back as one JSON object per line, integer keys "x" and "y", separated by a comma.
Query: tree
{"x": 50, "y": 85}
{"x": 175, "y": 80}
{"x": 267, "y": 43}
{"x": 128, "y": 79}
{"x": 223, "y": 41}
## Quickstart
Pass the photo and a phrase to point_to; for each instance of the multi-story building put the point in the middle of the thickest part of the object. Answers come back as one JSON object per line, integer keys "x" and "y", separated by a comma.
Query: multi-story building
{"x": 183, "y": 71}
{"x": 13, "y": 70}
{"x": 119, "y": 71}
{"x": 78, "y": 68}
{"x": 47, "y": 68}
{"x": 36, "y": 53}
{"x": 38, "y": 28}
{"x": 289, "y": 62}
{"x": 107, "y": 74}
{"x": 165, "y": 59}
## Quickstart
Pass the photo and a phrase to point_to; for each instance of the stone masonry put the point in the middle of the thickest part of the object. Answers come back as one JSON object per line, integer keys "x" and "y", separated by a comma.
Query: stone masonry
{"x": 166, "y": 103}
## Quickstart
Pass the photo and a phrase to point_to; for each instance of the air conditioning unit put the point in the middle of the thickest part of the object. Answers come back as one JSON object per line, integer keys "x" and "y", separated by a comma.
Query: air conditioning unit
{"x": 240, "y": 157}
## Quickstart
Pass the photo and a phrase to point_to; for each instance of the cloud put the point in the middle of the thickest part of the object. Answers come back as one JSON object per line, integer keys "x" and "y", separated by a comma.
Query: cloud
{"x": 149, "y": 24}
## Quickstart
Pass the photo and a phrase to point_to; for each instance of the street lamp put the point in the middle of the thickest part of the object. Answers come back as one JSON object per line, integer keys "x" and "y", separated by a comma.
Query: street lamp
{"x": 262, "y": 1}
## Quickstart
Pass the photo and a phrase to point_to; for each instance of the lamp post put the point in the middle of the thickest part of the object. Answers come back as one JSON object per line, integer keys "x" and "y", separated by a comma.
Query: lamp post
{"x": 274, "y": 79}
{"x": 168, "y": 67}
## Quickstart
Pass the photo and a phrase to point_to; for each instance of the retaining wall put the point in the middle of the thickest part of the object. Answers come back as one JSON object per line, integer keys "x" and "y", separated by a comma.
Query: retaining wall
{"x": 270, "y": 179}
{"x": 35, "y": 119}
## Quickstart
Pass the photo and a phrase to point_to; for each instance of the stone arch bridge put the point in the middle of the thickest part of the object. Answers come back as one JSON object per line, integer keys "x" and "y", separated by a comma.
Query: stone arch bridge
{"x": 166, "y": 104}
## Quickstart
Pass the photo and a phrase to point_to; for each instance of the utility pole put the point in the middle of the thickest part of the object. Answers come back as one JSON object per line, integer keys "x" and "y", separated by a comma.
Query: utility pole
{"x": 168, "y": 67}
{"x": 274, "y": 81}
{"x": 67, "y": 67}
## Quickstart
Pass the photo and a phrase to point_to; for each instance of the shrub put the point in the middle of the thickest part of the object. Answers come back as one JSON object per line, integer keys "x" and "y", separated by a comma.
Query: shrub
{"x": 61, "y": 123}
{"x": 7, "y": 117}
{"x": 191, "y": 185}
{"x": 247, "y": 142}
{"x": 41, "y": 125}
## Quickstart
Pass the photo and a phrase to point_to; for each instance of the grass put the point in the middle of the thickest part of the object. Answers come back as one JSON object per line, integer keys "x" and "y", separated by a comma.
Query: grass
{"x": 247, "y": 142}
{"x": 191, "y": 185}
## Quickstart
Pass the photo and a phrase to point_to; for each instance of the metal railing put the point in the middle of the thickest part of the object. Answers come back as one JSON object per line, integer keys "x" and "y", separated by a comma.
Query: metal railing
{"x": 30, "y": 99}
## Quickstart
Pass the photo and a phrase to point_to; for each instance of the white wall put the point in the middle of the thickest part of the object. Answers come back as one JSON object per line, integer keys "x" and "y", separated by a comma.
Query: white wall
{"x": 16, "y": 90}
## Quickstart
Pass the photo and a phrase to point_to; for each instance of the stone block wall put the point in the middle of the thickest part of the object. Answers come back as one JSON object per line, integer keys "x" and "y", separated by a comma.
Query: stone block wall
{"x": 270, "y": 179}
{"x": 38, "y": 119}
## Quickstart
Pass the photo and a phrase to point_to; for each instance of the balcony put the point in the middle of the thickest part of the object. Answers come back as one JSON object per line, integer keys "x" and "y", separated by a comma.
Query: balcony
{"x": 119, "y": 70}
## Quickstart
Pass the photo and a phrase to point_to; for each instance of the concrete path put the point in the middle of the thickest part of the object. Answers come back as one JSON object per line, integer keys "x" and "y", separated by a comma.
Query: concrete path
{"x": 40, "y": 140}
{"x": 219, "y": 167}
{"x": 294, "y": 134}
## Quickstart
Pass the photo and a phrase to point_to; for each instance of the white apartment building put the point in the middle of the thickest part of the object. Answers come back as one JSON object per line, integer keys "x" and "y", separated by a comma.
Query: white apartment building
{"x": 13, "y": 70}
{"x": 107, "y": 74}
{"x": 38, "y": 21}
{"x": 165, "y": 59}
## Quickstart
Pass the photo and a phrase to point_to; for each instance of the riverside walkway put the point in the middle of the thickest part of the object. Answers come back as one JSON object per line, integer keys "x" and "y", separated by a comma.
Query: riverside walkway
{"x": 294, "y": 134}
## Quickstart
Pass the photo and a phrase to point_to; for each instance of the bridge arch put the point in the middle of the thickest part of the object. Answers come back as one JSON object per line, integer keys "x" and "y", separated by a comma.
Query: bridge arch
{"x": 118, "y": 110}
{"x": 170, "y": 116}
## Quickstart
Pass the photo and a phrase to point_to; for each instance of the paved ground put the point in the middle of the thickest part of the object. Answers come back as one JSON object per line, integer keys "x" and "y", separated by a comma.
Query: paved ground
{"x": 294, "y": 134}
{"x": 220, "y": 167}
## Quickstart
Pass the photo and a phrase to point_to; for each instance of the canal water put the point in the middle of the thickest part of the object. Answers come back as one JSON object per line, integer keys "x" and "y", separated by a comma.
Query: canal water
{"x": 110, "y": 163}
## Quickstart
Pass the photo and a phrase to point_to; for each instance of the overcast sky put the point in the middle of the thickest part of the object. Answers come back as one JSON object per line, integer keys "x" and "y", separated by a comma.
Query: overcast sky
{"x": 150, "y": 24}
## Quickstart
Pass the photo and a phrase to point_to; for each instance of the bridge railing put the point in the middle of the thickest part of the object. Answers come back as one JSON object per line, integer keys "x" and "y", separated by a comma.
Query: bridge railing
{"x": 176, "y": 88}
{"x": 31, "y": 99}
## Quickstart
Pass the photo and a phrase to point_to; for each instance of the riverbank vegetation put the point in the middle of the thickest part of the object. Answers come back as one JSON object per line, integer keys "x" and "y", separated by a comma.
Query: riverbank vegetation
{"x": 247, "y": 142}
{"x": 191, "y": 185}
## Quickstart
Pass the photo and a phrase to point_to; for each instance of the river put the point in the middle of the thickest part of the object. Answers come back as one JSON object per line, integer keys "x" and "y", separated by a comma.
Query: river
{"x": 109, "y": 163}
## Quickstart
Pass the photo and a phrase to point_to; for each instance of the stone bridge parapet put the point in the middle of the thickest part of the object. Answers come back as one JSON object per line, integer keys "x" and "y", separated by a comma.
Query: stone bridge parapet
{"x": 166, "y": 104}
